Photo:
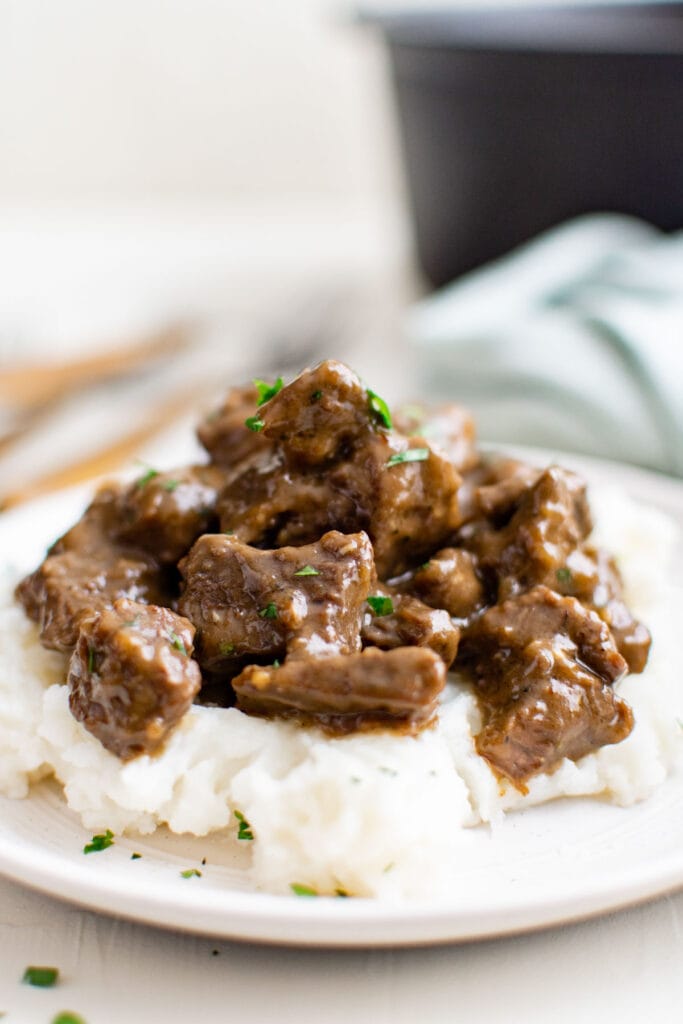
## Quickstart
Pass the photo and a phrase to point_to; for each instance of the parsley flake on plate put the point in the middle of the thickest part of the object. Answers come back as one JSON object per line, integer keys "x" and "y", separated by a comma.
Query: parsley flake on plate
{"x": 41, "y": 977}
{"x": 254, "y": 423}
{"x": 99, "y": 842}
{"x": 190, "y": 873}
{"x": 307, "y": 570}
{"x": 68, "y": 1017}
{"x": 244, "y": 829}
{"x": 270, "y": 611}
{"x": 302, "y": 890}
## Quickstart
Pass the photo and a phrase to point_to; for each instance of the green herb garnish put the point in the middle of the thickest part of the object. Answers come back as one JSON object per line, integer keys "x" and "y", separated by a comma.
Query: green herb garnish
{"x": 146, "y": 477}
{"x": 170, "y": 485}
{"x": 564, "y": 576}
{"x": 254, "y": 423}
{"x": 270, "y": 611}
{"x": 191, "y": 873}
{"x": 307, "y": 570}
{"x": 276, "y": 663}
{"x": 425, "y": 565}
{"x": 412, "y": 455}
{"x": 177, "y": 643}
{"x": 267, "y": 391}
{"x": 316, "y": 396}
{"x": 91, "y": 660}
{"x": 380, "y": 409}
{"x": 381, "y": 605}
{"x": 244, "y": 829}
{"x": 68, "y": 1017}
{"x": 41, "y": 977}
{"x": 226, "y": 648}
{"x": 302, "y": 890}
{"x": 99, "y": 842}
{"x": 135, "y": 856}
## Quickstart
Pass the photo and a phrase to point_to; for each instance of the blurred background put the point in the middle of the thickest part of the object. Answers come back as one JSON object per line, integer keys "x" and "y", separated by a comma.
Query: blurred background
{"x": 192, "y": 194}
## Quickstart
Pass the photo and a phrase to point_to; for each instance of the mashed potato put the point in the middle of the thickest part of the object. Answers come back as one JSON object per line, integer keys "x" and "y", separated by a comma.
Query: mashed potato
{"x": 374, "y": 814}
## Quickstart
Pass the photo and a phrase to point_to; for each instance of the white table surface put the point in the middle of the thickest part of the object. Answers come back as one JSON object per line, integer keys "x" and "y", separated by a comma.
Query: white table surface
{"x": 622, "y": 967}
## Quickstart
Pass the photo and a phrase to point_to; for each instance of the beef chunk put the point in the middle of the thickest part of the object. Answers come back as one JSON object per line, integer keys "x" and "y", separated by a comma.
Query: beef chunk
{"x": 408, "y": 508}
{"x": 592, "y": 576}
{"x": 449, "y": 426}
{"x": 85, "y": 571}
{"x": 164, "y": 513}
{"x": 246, "y": 602}
{"x": 544, "y": 668}
{"x": 448, "y": 580}
{"x": 131, "y": 676}
{"x": 550, "y": 520}
{"x": 224, "y": 433}
{"x": 501, "y": 488}
{"x": 344, "y": 693}
{"x": 411, "y": 624}
{"x": 321, "y": 415}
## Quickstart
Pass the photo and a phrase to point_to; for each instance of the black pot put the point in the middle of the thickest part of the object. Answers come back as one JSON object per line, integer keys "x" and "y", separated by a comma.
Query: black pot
{"x": 515, "y": 120}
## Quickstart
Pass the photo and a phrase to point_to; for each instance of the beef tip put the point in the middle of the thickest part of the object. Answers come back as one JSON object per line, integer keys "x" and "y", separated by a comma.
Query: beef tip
{"x": 448, "y": 580}
{"x": 345, "y": 693}
{"x": 501, "y": 489}
{"x": 270, "y": 504}
{"x": 592, "y": 576}
{"x": 319, "y": 416}
{"x": 544, "y": 667}
{"x": 550, "y": 521}
{"x": 449, "y": 426}
{"x": 415, "y": 502}
{"x": 132, "y": 677}
{"x": 307, "y": 601}
{"x": 85, "y": 571}
{"x": 224, "y": 433}
{"x": 164, "y": 513}
{"x": 407, "y": 507}
{"x": 398, "y": 620}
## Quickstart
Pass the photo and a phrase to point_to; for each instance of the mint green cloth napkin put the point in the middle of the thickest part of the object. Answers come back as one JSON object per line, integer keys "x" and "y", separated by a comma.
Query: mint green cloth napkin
{"x": 573, "y": 341}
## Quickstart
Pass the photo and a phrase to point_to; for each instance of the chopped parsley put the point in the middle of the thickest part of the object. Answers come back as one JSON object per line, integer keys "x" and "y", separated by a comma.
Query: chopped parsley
{"x": 270, "y": 611}
{"x": 146, "y": 477}
{"x": 91, "y": 660}
{"x": 244, "y": 828}
{"x": 307, "y": 570}
{"x": 412, "y": 455}
{"x": 254, "y": 423}
{"x": 191, "y": 873}
{"x": 316, "y": 396}
{"x": 425, "y": 565}
{"x": 302, "y": 890}
{"x": 267, "y": 391}
{"x": 135, "y": 856}
{"x": 226, "y": 648}
{"x": 68, "y": 1017}
{"x": 177, "y": 643}
{"x": 170, "y": 485}
{"x": 388, "y": 868}
{"x": 276, "y": 663}
{"x": 564, "y": 576}
{"x": 99, "y": 842}
{"x": 379, "y": 408}
{"x": 381, "y": 605}
{"x": 41, "y": 977}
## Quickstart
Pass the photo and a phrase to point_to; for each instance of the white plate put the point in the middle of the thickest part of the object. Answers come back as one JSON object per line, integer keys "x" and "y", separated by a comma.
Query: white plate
{"x": 545, "y": 866}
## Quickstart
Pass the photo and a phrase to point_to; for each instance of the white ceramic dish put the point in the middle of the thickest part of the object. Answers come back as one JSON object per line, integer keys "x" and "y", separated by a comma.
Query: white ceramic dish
{"x": 545, "y": 866}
